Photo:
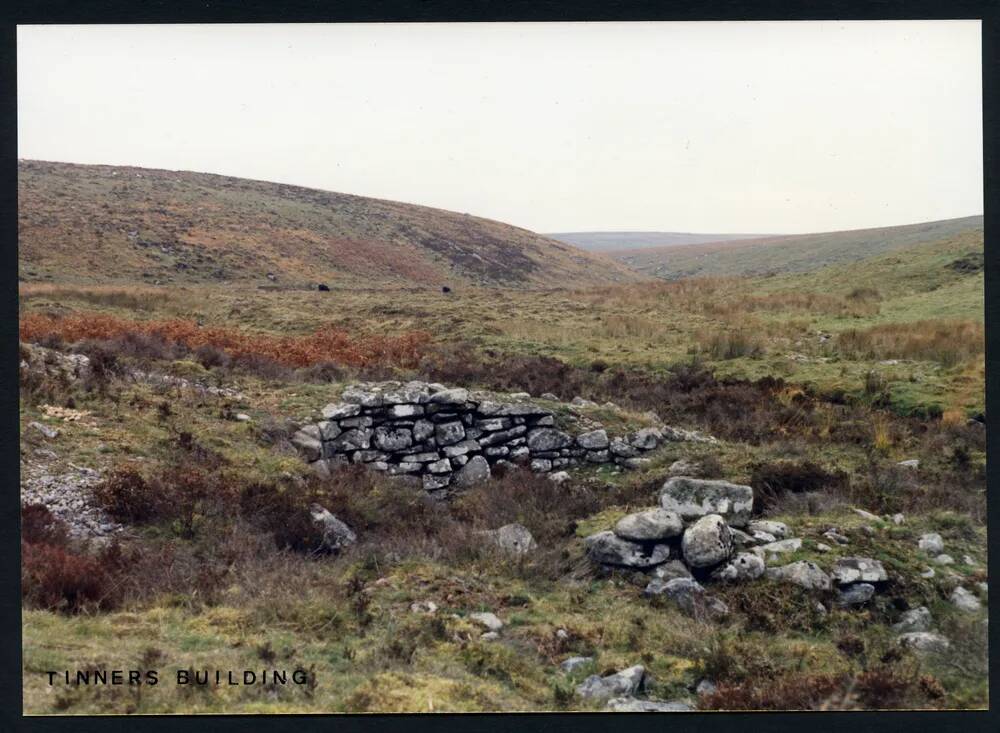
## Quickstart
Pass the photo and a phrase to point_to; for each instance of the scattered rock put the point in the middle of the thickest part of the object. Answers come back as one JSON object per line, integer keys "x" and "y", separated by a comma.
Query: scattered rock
{"x": 514, "y": 539}
{"x": 924, "y": 641}
{"x": 897, "y": 519}
{"x": 670, "y": 570}
{"x": 943, "y": 559}
{"x": 475, "y": 471}
{"x": 820, "y": 547}
{"x": 574, "y": 663}
{"x": 916, "y": 619}
{"x": 745, "y": 566}
{"x": 608, "y": 548}
{"x": 927, "y": 573}
{"x": 336, "y": 534}
{"x": 910, "y": 463}
{"x": 486, "y": 619}
{"x": 931, "y": 543}
{"x": 684, "y": 467}
{"x": 693, "y": 498}
{"x": 707, "y": 542}
{"x": 489, "y": 636}
{"x": 848, "y": 570}
{"x": 779, "y": 530}
{"x": 559, "y": 477}
{"x": 855, "y": 595}
{"x": 622, "y": 684}
{"x": 635, "y": 705}
{"x": 781, "y": 547}
{"x": 705, "y": 687}
{"x": 867, "y": 515}
{"x": 242, "y": 417}
{"x": 650, "y": 525}
{"x": 50, "y": 433}
{"x": 803, "y": 573}
{"x": 425, "y": 607}
{"x": 964, "y": 600}
{"x": 689, "y": 596}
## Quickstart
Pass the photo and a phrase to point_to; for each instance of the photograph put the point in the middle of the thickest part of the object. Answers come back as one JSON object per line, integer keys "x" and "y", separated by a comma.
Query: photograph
{"x": 501, "y": 367}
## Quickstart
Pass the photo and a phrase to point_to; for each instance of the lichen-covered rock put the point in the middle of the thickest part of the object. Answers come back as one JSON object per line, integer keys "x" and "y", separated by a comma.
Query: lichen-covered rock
{"x": 964, "y": 600}
{"x": 848, "y": 570}
{"x": 689, "y": 596}
{"x": 608, "y": 548}
{"x": 635, "y": 705}
{"x": 779, "y": 530}
{"x": 310, "y": 446}
{"x": 487, "y": 620}
{"x": 670, "y": 570}
{"x": 456, "y": 396}
{"x": 548, "y": 439}
{"x": 336, "y": 534}
{"x": 745, "y": 566}
{"x": 855, "y": 595}
{"x": 925, "y": 641}
{"x": 574, "y": 663}
{"x": 931, "y": 543}
{"x": 780, "y": 547}
{"x": 339, "y": 410}
{"x": 707, "y": 542}
{"x": 514, "y": 539}
{"x": 650, "y": 525}
{"x": 803, "y": 573}
{"x": 693, "y": 498}
{"x": 646, "y": 439}
{"x": 625, "y": 683}
{"x": 594, "y": 440}
{"x": 392, "y": 439}
{"x": 449, "y": 433}
{"x": 916, "y": 619}
{"x": 475, "y": 471}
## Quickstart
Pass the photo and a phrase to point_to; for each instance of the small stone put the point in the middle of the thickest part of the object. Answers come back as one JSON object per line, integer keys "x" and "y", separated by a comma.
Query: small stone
{"x": 705, "y": 687}
{"x": 336, "y": 411}
{"x": 867, "y": 515}
{"x": 803, "y": 573}
{"x": 925, "y": 642}
{"x": 778, "y": 529}
{"x": 624, "y": 683}
{"x": 489, "y": 636}
{"x": 487, "y": 619}
{"x": 242, "y": 417}
{"x": 849, "y": 570}
{"x": 856, "y": 595}
{"x": 910, "y": 463}
{"x": 310, "y": 446}
{"x": 607, "y": 548}
{"x": 968, "y": 560}
{"x": 916, "y": 619}
{"x": 457, "y": 396}
{"x": 514, "y": 539}
{"x": 931, "y": 543}
{"x": 745, "y": 566}
{"x": 670, "y": 570}
{"x": 635, "y": 705}
{"x": 898, "y": 519}
{"x": 336, "y": 534}
{"x": 694, "y": 498}
{"x": 927, "y": 573}
{"x": 574, "y": 663}
{"x": 943, "y": 559}
{"x": 820, "y": 547}
{"x": 689, "y": 596}
{"x": 781, "y": 547}
{"x": 425, "y": 607}
{"x": 964, "y": 600}
{"x": 559, "y": 477}
{"x": 475, "y": 471}
{"x": 707, "y": 542}
{"x": 650, "y": 525}
{"x": 594, "y": 440}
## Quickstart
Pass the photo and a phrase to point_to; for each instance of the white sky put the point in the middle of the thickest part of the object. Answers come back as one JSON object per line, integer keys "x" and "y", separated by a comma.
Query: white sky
{"x": 712, "y": 127}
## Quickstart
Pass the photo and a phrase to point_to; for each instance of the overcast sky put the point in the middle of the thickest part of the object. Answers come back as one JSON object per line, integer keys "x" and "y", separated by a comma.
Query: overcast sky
{"x": 710, "y": 127}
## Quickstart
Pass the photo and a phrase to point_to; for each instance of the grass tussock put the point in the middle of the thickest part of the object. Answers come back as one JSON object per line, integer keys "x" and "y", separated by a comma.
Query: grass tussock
{"x": 947, "y": 342}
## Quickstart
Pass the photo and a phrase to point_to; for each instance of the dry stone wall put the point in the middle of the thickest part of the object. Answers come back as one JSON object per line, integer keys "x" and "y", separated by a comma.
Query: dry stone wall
{"x": 450, "y": 438}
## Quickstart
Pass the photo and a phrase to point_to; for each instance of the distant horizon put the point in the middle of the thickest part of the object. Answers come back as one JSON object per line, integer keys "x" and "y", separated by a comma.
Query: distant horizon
{"x": 794, "y": 127}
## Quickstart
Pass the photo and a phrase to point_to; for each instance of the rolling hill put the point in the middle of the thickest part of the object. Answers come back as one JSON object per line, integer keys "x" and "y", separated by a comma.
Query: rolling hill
{"x": 107, "y": 224}
{"x": 617, "y": 241}
{"x": 791, "y": 253}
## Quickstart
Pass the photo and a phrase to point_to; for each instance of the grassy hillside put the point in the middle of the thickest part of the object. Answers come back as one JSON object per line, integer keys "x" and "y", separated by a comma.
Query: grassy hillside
{"x": 619, "y": 241}
{"x": 794, "y": 253}
{"x": 104, "y": 224}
